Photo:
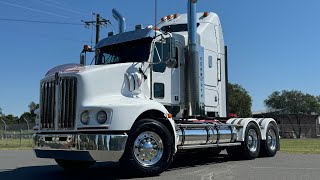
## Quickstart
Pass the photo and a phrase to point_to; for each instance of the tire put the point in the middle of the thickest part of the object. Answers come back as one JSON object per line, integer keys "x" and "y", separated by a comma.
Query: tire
{"x": 234, "y": 153}
{"x": 271, "y": 145}
{"x": 149, "y": 149}
{"x": 70, "y": 165}
{"x": 250, "y": 148}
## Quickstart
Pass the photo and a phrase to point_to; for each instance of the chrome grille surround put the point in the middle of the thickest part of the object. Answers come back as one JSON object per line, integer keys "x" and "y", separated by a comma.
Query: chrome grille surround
{"x": 58, "y": 103}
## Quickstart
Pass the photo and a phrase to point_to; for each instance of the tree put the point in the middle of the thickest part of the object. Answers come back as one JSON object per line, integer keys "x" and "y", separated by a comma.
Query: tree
{"x": 1, "y": 114}
{"x": 32, "y": 107}
{"x": 292, "y": 102}
{"x": 30, "y": 116}
{"x": 11, "y": 119}
{"x": 27, "y": 116}
{"x": 239, "y": 100}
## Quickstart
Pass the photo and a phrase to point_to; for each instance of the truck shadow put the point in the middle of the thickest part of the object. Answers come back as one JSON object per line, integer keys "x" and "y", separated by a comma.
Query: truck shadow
{"x": 106, "y": 170}
{"x": 197, "y": 158}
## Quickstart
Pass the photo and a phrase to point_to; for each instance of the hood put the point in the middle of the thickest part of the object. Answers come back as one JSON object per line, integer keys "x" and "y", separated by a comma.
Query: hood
{"x": 66, "y": 68}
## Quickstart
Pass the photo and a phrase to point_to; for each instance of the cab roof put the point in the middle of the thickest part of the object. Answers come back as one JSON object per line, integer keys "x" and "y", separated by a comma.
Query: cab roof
{"x": 126, "y": 37}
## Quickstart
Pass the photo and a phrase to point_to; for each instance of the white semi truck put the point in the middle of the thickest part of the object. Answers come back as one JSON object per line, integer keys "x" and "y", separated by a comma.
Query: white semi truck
{"x": 149, "y": 94}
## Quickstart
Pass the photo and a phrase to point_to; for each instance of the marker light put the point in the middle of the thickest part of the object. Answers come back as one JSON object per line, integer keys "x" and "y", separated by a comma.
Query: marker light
{"x": 85, "y": 117}
{"x": 163, "y": 19}
{"x": 87, "y": 48}
{"x": 206, "y": 14}
{"x": 169, "y": 17}
{"x": 176, "y": 15}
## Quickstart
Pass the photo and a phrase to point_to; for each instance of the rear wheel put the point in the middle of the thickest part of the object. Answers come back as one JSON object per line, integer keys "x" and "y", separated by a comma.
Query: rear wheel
{"x": 70, "y": 165}
{"x": 270, "y": 146}
{"x": 149, "y": 149}
{"x": 250, "y": 148}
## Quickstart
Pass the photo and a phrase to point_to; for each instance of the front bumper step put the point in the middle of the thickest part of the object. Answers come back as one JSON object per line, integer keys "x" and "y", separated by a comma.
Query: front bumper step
{"x": 82, "y": 147}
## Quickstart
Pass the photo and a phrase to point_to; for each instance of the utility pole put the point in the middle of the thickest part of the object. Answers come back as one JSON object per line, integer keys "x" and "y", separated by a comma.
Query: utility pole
{"x": 98, "y": 23}
{"x": 97, "y": 28}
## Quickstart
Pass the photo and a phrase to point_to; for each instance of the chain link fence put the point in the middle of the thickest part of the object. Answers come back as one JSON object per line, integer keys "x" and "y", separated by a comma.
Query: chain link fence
{"x": 299, "y": 131}
{"x": 16, "y": 136}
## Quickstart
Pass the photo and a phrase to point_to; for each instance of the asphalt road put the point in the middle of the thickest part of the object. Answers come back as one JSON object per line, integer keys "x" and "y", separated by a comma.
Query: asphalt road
{"x": 23, "y": 165}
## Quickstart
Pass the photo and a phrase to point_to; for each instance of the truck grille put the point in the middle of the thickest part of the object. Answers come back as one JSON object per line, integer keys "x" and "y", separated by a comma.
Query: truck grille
{"x": 48, "y": 91}
{"x": 63, "y": 107}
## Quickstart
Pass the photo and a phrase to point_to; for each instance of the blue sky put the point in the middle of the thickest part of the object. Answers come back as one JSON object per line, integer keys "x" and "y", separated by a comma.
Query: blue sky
{"x": 273, "y": 45}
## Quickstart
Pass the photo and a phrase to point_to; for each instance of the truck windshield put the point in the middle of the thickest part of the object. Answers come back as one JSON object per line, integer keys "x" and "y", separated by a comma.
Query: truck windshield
{"x": 133, "y": 51}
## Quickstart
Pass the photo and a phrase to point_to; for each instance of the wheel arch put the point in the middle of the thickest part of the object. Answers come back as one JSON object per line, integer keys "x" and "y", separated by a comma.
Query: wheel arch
{"x": 158, "y": 116}
{"x": 243, "y": 123}
{"x": 161, "y": 118}
{"x": 264, "y": 123}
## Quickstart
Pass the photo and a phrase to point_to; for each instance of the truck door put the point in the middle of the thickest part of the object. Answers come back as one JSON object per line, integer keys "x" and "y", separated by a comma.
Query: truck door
{"x": 212, "y": 68}
{"x": 166, "y": 81}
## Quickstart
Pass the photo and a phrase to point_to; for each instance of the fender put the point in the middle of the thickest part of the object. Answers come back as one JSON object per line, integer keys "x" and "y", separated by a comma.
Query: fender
{"x": 123, "y": 120}
{"x": 262, "y": 123}
{"x": 242, "y": 124}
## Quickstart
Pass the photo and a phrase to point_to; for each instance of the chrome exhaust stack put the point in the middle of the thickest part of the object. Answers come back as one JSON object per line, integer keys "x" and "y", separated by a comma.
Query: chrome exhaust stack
{"x": 122, "y": 21}
{"x": 194, "y": 67}
{"x": 192, "y": 22}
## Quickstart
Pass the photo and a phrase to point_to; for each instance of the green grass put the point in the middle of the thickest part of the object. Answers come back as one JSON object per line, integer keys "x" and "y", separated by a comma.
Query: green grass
{"x": 14, "y": 144}
{"x": 300, "y": 146}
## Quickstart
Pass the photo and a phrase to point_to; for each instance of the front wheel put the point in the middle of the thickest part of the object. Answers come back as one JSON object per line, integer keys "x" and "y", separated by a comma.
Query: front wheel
{"x": 149, "y": 149}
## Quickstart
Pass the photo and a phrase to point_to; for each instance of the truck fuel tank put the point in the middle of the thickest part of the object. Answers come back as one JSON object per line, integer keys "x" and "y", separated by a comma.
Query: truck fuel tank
{"x": 204, "y": 134}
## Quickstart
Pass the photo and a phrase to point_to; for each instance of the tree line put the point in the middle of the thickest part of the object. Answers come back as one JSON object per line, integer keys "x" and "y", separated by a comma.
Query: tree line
{"x": 30, "y": 116}
{"x": 279, "y": 102}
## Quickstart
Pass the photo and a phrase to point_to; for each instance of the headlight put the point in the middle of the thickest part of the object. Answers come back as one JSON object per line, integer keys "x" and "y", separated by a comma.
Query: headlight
{"x": 85, "y": 117}
{"x": 102, "y": 117}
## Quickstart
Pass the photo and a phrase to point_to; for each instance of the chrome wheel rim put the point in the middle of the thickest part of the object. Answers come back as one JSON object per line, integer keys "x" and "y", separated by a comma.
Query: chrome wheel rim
{"x": 148, "y": 148}
{"x": 272, "y": 139}
{"x": 252, "y": 140}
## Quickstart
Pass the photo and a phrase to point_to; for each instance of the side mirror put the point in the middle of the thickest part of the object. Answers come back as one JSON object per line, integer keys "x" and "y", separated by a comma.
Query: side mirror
{"x": 82, "y": 59}
{"x": 171, "y": 55}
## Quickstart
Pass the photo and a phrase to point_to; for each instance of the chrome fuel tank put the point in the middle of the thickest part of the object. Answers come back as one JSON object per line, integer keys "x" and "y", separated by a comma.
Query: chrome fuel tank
{"x": 203, "y": 134}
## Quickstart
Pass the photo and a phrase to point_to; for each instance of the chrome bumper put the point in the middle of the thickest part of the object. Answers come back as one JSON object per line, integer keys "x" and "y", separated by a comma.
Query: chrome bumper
{"x": 82, "y": 147}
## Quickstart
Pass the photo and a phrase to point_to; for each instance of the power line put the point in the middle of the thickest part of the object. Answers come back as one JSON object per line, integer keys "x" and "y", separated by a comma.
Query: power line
{"x": 55, "y": 2}
{"x": 113, "y": 27}
{"x": 98, "y": 23}
{"x": 33, "y": 9}
{"x": 61, "y": 8}
{"x": 64, "y": 4}
{"x": 40, "y": 22}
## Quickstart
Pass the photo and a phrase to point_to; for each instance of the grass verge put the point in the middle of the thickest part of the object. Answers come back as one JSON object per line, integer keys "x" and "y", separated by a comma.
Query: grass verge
{"x": 15, "y": 144}
{"x": 300, "y": 146}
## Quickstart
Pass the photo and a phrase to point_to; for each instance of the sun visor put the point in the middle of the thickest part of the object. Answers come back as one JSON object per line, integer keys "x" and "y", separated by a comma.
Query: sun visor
{"x": 125, "y": 37}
